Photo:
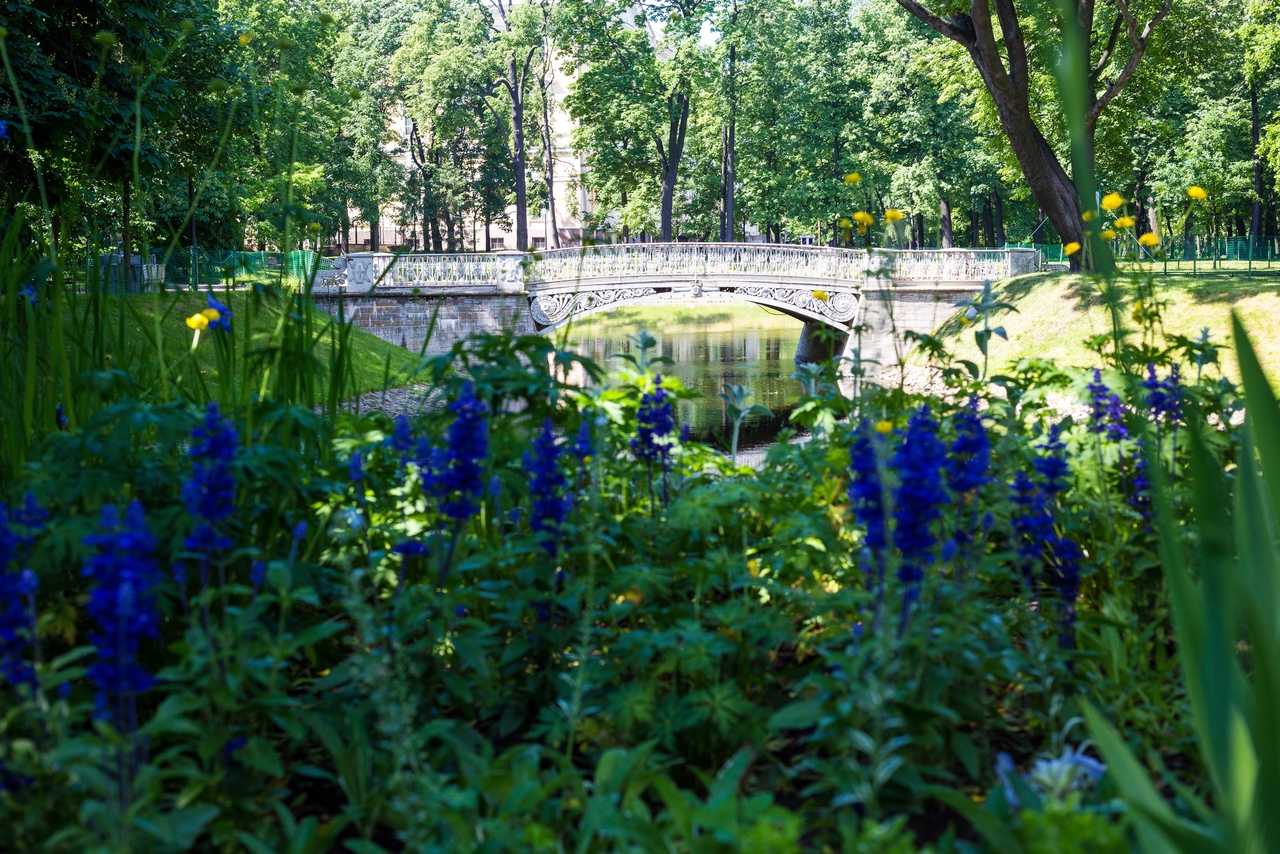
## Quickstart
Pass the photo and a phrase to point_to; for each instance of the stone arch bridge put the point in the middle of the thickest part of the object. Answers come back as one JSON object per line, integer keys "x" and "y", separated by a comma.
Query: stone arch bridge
{"x": 868, "y": 297}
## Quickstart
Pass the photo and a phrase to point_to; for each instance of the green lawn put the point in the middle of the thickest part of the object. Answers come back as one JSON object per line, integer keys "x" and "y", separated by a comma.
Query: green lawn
{"x": 1058, "y": 311}
{"x": 373, "y": 359}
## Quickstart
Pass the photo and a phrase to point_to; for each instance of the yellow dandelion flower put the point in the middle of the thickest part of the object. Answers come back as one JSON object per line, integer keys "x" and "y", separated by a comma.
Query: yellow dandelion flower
{"x": 197, "y": 322}
{"x": 862, "y": 229}
{"x": 1197, "y": 193}
{"x": 844, "y": 223}
{"x": 864, "y": 218}
{"x": 1108, "y": 234}
{"x": 1111, "y": 201}
{"x": 1149, "y": 239}
{"x": 1126, "y": 222}
{"x": 820, "y": 296}
{"x": 893, "y": 215}
{"x": 1088, "y": 216}
{"x": 211, "y": 315}
{"x": 853, "y": 178}
{"x": 1137, "y": 307}
{"x": 1071, "y": 248}
{"x": 884, "y": 427}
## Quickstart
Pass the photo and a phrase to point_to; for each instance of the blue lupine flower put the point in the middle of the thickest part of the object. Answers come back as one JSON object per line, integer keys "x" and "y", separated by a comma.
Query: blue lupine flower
{"x": 686, "y": 433}
{"x": 401, "y": 440}
{"x": 299, "y": 531}
{"x": 1140, "y": 496}
{"x": 1068, "y": 555}
{"x": 224, "y": 315}
{"x": 583, "y": 448}
{"x": 209, "y": 494}
{"x": 546, "y": 484}
{"x": 410, "y": 548}
{"x": 257, "y": 575}
{"x": 1032, "y": 523}
{"x": 30, "y": 294}
{"x": 357, "y": 468}
{"x": 970, "y": 453}
{"x": 123, "y": 606}
{"x": 4, "y": 129}
{"x": 455, "y": 472}
{"x": 654, "y": 425}
{"x": 17, "y": 626}
{"x": 495, "y": 487}
{"x": 920, "y": 497}
{"x": 866, "y": 492}
{"x": 1052, "y": 463}
{"x": 1164, "y": 397}
{"x": 1106, "y": 409}
{"x": 60, "y": 417}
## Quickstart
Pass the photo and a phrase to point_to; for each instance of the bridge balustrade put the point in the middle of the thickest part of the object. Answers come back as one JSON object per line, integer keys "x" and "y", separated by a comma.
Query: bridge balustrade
{"x": 518, "y": 272}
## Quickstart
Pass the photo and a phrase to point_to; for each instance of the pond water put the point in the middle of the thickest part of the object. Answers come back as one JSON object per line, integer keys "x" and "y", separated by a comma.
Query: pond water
{"x": 709, "y": 346}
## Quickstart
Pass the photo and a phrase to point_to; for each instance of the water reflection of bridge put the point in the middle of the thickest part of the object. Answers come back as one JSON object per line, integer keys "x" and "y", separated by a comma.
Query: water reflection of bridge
{"x": 877, "y": 292}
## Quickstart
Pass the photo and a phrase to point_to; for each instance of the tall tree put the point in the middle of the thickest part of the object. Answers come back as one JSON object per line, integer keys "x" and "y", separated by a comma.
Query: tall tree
{"x": 1117, "y": 40}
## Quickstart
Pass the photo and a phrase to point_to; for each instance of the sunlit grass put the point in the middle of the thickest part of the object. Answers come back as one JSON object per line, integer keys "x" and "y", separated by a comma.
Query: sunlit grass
{"x": 1058, "y": 312}
{"x": 373, "y": 359}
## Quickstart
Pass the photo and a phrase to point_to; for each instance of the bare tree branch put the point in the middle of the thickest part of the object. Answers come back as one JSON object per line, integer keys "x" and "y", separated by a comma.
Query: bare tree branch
{"x": 1105, "y": 58}
{"x": 929, "y": 19}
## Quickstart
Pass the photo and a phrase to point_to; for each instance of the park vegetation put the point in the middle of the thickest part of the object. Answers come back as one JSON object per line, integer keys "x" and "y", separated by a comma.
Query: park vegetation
{"x": 1034, "y": 609}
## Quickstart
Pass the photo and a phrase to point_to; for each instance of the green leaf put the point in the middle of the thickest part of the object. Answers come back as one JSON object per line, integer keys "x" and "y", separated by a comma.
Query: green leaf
{"x": 798, "y": 715}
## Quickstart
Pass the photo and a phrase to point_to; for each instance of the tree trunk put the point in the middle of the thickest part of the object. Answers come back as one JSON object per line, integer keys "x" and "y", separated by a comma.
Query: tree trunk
{"x": 669, "y": 158}
{"x": 549, "y": 143}
{"x": 1255, "y": 225}
{"x": 437, "y": 241}
{"x": 724, "y": 154}
{"x": 997, "y": 205}
{"x": 919, "y": 231}
{"x": 126, "y": 269}
{"x": 518, "y": 155}
{"x": 944, "y": 226}
{"x": 988, "y": 226}
{"x": 730, "y": 160}
{"x": 973, "y": 224}
{"x": 626, "y": 229}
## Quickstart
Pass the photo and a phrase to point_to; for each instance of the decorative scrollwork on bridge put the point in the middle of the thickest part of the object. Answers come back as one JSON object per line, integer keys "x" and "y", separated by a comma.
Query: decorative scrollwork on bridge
{"x": 554, "y": 309}
{"x": 839, "y": 308}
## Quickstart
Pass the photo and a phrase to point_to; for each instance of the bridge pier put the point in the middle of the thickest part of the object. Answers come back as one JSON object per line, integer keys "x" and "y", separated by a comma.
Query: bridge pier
{"x": 819, "y": 343}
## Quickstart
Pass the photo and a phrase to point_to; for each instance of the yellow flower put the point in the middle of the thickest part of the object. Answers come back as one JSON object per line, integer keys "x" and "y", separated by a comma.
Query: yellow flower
{"x": 1088, "y": 216}
{"x": 1149, "y": 239}
{"x": 1126, "y": 222}
{"x": 197, "y": 322}
{"x": 820, "y": 296}
{"x": 1137, "y": 307}
{"x": 884, "y": 427}
{"x": 211, "y": 315}
{"x": 1197, "y": 193}
{"x": 862, "y": 229}
{"x": 893, "y": 215}
{"x": 864, "y": 218}
{"x": 1111, "y": 201}
{"x": 1071, "y": 248}
{"x": 844, "y": 223}
{"x": 245, "y": 38}
{"x": 1108, "y": 234}
{"x": 853, "y": 178}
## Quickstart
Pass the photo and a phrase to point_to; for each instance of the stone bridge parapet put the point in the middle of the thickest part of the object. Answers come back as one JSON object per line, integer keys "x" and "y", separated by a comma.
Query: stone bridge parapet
{"x": 847, "y": 289}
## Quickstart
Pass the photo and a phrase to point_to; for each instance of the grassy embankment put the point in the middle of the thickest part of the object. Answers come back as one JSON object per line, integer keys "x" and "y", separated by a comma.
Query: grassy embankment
{"x": 374, "y": 361}
{"x": 1057, "y": 312}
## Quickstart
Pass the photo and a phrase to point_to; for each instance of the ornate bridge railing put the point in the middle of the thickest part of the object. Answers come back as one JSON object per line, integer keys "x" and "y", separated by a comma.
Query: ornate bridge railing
{"x": 517, "y": 272}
